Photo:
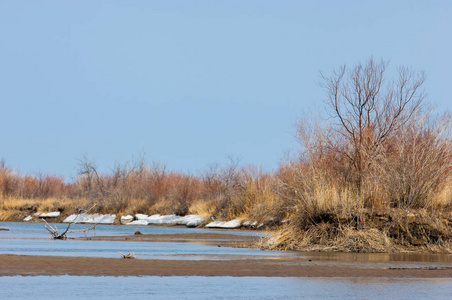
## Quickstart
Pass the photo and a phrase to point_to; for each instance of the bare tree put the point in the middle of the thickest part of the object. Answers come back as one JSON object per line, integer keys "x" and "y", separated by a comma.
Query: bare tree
{"x": 368, "y": 108}
{"x": 88, "y": 173}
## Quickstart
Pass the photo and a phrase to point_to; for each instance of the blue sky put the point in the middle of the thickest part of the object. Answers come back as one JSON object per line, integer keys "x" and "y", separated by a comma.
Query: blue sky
{"x": 190, "y": 83}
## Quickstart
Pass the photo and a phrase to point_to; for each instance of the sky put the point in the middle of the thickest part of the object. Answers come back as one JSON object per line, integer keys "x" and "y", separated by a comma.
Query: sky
{"x": 189, "y": 84}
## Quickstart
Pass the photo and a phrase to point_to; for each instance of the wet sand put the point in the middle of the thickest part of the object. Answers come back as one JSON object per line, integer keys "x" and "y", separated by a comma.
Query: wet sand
{"x": 28, "y": 265}
{"x": 208, "y": 238}
{"x": 11, "y": 265}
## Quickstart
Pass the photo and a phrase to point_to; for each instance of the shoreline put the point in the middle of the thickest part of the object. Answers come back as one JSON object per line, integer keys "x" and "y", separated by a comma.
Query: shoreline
{"x": 311, "y": 265}
{"x": 31, "y": 265}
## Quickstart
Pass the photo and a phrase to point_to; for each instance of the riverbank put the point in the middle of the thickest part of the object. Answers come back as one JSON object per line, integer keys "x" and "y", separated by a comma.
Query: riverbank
{"x": 24, "y": 265}
{"x": 362, "y": 231}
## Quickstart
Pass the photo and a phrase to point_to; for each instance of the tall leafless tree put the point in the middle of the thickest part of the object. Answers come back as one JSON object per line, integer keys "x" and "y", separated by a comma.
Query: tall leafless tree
{"x": 368, "y": 108}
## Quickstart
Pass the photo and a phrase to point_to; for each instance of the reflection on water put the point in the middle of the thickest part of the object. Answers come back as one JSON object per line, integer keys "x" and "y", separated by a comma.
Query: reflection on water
{"x": 86, "y": 287}
{"x": 378, "y": 257}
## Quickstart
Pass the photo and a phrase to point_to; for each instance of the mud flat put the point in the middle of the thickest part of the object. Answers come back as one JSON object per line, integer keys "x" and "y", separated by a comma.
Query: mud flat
{"x": 208, "y": 238}
{"x": 11, "y": 265}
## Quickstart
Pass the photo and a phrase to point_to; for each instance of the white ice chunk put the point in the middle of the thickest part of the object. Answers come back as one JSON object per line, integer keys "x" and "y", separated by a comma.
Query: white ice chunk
{"x": 127, "y": 218}
{"x": 194, "y": 223}
{"x": 104, "y": 219}
{"x": 227, "y": 225}
{"x": 154, "y": 219}
{"x": 90, "y": 219}
{"x": 138, "y": 222}
{"x": 215, "y": 224}
{"x": 141, "y": 216}
{"x": 28, "y": 219}
{"x": 52, "y": 214}
{"x": 232, "y": 224}
{"x": 190, "y": 220}
{"x": 70, "y": 219}
{"x": 194, "y": 220}
{"x": 165, "y": 219}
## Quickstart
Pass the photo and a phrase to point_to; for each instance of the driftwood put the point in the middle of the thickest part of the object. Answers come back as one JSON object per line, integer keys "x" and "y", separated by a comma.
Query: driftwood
{"x": 131, "y": 255}
{"x": 62, "y": 236}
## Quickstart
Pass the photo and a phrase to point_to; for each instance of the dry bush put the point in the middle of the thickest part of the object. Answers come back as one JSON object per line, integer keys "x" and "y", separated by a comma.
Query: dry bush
{"x": 384, "y": 153}
{"x": 418, "y": 168}
{"x": 183, "y": 191}
{"x": 203, "y": 208}
{"x": 225, "y": 187}
{"x": 9, "y": 180}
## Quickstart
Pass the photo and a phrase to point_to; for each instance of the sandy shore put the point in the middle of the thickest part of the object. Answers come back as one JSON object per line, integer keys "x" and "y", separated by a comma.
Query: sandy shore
{"x": 208, "y": 238}
{"x": 11, "y": 265}
{"x": 28, "y": 265}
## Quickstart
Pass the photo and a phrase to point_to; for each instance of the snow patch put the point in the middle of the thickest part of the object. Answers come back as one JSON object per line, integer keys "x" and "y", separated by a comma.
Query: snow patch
{"x": 28, "y": 218}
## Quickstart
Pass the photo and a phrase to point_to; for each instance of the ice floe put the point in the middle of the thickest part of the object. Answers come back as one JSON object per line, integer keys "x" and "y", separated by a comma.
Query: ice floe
{"x": 53, "y": 214}
{"x": 138, "y": 222}
{"x": 90, "y": 219}
{"x": 141, "y": 217}
{"x": 188, "y": 220}
{"x": 227, "y": 225}
{"x": 126, "y": 219}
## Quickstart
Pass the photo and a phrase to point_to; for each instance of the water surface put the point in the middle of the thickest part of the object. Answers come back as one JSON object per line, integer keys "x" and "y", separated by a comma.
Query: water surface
{"x": 152, "y": 287}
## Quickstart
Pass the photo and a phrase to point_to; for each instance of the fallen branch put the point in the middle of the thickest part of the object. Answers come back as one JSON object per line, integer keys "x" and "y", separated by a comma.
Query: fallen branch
{"x": 131, "y": 255}
{"x": 57, "y": 236}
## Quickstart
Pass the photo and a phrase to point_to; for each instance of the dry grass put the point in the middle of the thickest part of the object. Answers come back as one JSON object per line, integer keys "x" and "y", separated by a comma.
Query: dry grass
{"x": 15, "y": 209}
